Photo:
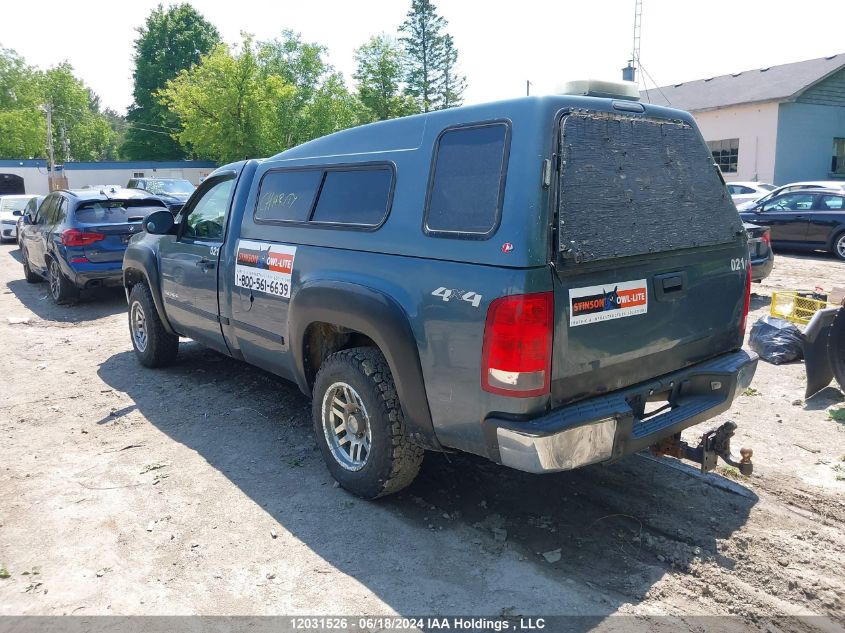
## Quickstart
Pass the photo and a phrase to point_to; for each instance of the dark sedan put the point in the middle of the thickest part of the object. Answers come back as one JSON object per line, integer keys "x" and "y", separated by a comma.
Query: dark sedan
{"x": 760, "y": 251}
{"x": 806, "y": 220}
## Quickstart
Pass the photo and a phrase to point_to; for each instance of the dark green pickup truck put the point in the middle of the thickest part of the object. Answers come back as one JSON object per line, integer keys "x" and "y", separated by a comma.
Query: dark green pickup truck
{"x": 548, "y": 282}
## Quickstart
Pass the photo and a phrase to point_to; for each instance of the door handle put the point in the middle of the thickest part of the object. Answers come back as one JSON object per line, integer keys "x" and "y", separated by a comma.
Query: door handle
{"x": 670, "y": 286}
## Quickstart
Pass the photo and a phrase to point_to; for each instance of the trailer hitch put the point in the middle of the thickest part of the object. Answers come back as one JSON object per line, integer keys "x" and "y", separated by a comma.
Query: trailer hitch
{"x": 714, "y": 443}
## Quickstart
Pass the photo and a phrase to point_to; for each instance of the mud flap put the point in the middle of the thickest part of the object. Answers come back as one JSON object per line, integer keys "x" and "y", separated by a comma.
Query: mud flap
{"x": 820, "y": 349}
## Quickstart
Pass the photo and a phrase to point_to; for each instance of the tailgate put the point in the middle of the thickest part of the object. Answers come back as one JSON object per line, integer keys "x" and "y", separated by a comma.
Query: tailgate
{"x": 652, "y": 255}
{"x": 113, "y": 244}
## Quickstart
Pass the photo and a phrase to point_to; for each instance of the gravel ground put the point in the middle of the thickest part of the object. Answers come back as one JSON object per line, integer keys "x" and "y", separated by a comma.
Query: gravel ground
{"x": 198, "y": 490}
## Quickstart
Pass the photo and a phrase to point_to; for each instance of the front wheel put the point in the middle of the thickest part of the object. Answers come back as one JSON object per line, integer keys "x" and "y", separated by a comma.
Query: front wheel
{"x": 154, "y": 346}
{"x": 359, "y": 425}
{"x": 839, "y": 245}
{"x": 62, "y": 290}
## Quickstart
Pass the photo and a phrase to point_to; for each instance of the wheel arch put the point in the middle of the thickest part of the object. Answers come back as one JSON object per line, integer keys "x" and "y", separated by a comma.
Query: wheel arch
{"x": 357, "y": 315}
{"x": 835, "y": 234}
{"x": 140, "y": 265}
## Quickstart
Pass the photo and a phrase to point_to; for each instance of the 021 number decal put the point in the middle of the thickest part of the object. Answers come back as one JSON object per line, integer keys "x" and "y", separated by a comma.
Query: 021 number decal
{"x": 738, "y": 263}
{"x": 447, "y": 293}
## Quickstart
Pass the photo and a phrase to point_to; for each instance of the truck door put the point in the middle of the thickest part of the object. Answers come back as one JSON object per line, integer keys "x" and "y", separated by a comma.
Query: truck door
{"x": 35, "y": 237}
{"x": 190, "y": 261}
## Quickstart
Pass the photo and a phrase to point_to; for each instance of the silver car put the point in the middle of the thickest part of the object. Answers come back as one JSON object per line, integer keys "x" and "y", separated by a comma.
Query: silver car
{"x": 11, "y": 208}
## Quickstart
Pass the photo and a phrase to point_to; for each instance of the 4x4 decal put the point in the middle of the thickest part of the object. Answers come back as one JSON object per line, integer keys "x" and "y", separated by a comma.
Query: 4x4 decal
{"x": 469, "y": 296}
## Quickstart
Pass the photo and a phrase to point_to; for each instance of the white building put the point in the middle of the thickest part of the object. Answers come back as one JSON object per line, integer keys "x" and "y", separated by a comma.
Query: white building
{"x": 34, "y": 172}
{"x": 780, "y": 124}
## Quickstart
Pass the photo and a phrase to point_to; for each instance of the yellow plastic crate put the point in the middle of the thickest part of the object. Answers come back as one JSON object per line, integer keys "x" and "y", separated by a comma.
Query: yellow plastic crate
{"x": 798, "y": 307}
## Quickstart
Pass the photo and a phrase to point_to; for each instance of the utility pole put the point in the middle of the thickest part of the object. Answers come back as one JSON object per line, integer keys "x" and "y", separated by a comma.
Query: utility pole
{"x": 51, "y": 165}
{"x": 527, "y": 88}
{"x": 65, "y": 141}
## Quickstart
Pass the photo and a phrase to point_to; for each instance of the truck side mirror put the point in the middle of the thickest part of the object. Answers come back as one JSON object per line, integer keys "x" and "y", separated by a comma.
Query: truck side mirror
{"x": 27, "y": 219}
{"x": 17, "y": 213}
{"x": 159, "y": 222}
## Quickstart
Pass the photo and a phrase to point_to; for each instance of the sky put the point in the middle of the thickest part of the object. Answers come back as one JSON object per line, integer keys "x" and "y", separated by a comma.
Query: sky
{"x": 501, "y": 44}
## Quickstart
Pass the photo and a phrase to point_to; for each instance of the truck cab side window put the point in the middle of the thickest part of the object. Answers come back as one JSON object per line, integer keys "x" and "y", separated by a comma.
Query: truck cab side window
{"x": 207, "y": 220}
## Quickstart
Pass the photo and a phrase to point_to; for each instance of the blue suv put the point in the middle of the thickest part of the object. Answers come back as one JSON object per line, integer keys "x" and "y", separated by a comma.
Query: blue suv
{"x": 76, "y": 239}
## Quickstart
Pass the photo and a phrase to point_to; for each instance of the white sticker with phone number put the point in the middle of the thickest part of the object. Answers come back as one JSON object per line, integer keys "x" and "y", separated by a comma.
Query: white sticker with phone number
{"x": 264, "y": 267}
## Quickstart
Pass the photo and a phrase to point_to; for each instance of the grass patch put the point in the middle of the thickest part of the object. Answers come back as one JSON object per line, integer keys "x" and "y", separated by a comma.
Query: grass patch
{"x": 4, "y": 573}
{"x": 731, "y": 472}
{"x": 751, "y": 391}
{"x": 837, "y": 415}
{"x": 296, "y": 462}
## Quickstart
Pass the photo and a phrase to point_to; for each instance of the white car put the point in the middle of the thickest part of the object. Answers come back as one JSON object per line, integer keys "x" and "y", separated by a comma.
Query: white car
{"x": 11, "y": 208}
{"x": 793, "y": 186}
{"x": 747, "y": 191}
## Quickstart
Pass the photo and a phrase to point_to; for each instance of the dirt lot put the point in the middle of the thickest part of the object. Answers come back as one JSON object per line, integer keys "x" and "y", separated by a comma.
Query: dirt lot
{"x": 199, "y": 490}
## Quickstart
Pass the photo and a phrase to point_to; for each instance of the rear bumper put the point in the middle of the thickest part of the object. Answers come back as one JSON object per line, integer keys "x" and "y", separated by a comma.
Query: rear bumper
{"x": 609, "y": 427}
{"x": 94, "y": 275}
{"x": 762, "y": 267}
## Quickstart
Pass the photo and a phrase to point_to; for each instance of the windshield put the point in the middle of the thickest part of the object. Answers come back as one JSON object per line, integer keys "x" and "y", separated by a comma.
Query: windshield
{"x": 13, "y": 204}
{"x": 169, "y": 186}
{"x": 116, "y": 211}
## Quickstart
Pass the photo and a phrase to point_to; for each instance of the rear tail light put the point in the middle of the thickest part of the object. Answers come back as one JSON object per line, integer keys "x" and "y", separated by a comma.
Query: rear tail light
{"x": 75, "y": 237}
{"x": 517, "y": 355}
{"x": 767, "y": 237}
{"x": 747, "y": 301}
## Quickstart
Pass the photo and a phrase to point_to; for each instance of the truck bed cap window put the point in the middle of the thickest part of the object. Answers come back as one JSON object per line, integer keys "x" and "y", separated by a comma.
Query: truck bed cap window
{"x": 634, "y": 186}
{"x": 355, "y": 196}
{"x": 468, "y": 177}
{"x": 288, "y": 195}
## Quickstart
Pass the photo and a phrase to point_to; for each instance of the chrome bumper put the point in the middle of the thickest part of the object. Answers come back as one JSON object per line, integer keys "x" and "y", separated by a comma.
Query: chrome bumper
{"x": 608, "y": 427}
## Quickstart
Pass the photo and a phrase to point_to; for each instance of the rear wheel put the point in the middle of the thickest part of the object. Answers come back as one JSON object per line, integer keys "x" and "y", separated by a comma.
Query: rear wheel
{"x": 30, "y": 276}
{"x": 359, "y": 426}
{"x": 62, "y": 289}
{"x": 839, "y": 245}
{"x": 154, "y": 346}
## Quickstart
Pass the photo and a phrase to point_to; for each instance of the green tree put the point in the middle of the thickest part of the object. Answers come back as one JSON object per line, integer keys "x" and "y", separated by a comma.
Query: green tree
{"x": 80, "y": 130}
{"x": 422, "y": 35}
{"x": 171, "y": 40}
{"x": 227, "y": 107}
{"x": 22, "y": 125}
{"x": 332, "y": 108}
{"x": 379, "y": 75}
{"x": 450, "y": 85}
{"x": 299, "y": 64}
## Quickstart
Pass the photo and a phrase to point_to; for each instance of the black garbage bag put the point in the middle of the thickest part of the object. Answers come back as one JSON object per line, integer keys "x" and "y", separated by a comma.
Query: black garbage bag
{"x": 776, "y": 340}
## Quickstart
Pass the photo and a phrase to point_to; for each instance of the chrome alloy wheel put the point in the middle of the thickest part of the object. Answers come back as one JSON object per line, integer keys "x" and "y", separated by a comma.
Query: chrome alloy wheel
{"x": 138, "y": 325}
{"x": 840, "y": 246}
{"x": 346, "y": 426}
{"x": 55, "y": 279}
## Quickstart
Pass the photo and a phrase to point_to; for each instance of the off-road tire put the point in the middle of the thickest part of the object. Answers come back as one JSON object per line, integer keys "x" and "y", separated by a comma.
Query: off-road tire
{"x": 393, "y": 461}
{"x": 62, "y": 290}
{"x": 30, "y": 276}
{"x": 161, "y": 347}
{"x": 838, "y": 246}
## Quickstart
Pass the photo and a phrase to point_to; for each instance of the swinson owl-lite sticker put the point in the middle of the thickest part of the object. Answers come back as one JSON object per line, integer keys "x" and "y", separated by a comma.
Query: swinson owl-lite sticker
{"x": 594, "y": 304}
{"x": 264, "y": 267}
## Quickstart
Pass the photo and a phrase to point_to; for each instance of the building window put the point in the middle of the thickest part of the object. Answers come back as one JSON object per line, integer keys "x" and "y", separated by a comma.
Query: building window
{"x": 725, "y": 154}
{"x": 837, "y": 164}
{"x": 138, "y": 174}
